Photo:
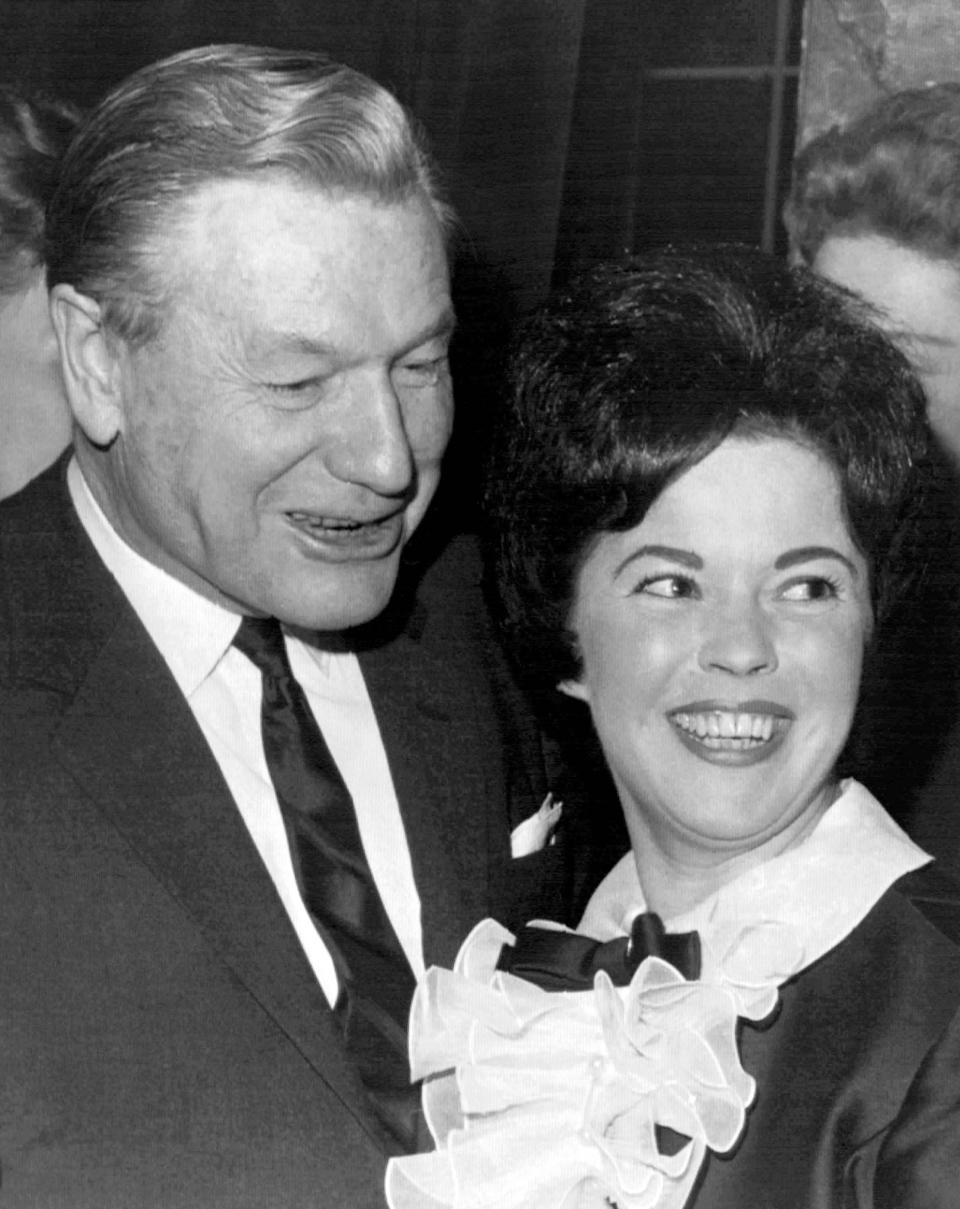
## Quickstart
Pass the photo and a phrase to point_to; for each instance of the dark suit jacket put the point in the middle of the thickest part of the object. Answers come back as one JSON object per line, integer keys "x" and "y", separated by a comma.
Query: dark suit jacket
{"x": 164, "y": 1040}
{"x": 907, "y": 742}
{"x": 858, "y": 1073}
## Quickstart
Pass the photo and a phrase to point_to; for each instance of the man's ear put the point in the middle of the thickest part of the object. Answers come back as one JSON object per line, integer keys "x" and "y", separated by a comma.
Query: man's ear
{"x": 90, "y": 364}
{"x": 574, "y": 688}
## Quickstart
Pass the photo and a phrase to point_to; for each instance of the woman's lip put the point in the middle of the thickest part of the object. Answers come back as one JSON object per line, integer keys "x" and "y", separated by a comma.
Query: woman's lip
{"x": 767, "y": 725}
{"x": 729, "y": 755}
{"x": 754, "y": 705}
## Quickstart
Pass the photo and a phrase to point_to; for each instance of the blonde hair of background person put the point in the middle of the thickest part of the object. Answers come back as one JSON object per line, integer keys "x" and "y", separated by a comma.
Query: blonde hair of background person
{"x": 875, "y": 207}
{"x": 34, "y": 418}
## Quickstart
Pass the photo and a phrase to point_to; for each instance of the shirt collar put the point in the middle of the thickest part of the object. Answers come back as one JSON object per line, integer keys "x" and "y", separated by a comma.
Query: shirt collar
{"x": 810, "y": 887}
{"x": 191, "y": 632}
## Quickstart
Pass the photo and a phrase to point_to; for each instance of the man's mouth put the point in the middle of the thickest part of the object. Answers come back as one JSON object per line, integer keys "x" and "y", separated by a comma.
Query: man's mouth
{"x": 314, "y": 520}
{"x": 753, "y": 729}
{"x": 349, "y": 533}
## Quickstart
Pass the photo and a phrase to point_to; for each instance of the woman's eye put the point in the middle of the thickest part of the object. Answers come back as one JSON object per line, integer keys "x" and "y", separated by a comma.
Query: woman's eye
{"x": 669, "y": 587}
{"x": 812, "y": 588}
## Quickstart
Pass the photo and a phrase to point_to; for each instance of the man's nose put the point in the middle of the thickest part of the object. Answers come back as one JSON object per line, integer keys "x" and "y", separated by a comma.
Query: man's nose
{"x": 372, "y": 447}
{"x": 739, "y": 640}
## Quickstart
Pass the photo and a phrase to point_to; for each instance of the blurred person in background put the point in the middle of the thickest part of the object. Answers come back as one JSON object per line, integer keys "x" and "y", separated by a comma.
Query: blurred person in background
{"x": 875, "y": 207}
{"x": 34, "y": 416}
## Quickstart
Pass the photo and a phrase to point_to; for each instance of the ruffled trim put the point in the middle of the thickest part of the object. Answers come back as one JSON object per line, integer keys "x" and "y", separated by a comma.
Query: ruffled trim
{"x": 554, "y": 1100}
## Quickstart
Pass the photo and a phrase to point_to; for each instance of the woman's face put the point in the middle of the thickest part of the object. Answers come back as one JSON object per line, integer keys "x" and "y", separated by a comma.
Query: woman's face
{"x": 721, "y": 642}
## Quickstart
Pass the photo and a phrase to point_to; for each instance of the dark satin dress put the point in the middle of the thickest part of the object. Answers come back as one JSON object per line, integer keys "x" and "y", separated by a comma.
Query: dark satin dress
{"x": 858, "y": 1073}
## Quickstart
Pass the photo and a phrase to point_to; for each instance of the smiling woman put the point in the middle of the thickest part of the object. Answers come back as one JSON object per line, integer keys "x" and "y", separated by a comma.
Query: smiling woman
{"x": 704, "y": 503}
{"x": 721, "y": 641}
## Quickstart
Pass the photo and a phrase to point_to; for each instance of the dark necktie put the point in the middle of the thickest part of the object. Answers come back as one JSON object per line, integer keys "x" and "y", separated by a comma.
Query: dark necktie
{"x": 376, "y": 982}
{"x": 565, "y": 961}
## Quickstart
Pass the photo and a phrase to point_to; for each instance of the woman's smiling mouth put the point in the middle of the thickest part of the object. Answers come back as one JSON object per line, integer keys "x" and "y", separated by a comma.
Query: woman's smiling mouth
{"x": 731, "y": 734}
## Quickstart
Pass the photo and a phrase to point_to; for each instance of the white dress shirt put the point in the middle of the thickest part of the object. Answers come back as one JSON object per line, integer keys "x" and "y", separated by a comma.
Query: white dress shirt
{"x": 223, "y": 689}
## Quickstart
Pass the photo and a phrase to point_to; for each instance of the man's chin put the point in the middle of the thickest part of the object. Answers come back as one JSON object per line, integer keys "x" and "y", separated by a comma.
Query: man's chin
{"x": 350, "y": 601}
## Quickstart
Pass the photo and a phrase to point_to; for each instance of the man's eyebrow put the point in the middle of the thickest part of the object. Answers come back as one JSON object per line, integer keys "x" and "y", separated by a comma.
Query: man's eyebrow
{"x": 686, "y": 558}
{"x": 299, "y": 342}
{"x": 442, "y": 329}
{"x": 805, "y": 554}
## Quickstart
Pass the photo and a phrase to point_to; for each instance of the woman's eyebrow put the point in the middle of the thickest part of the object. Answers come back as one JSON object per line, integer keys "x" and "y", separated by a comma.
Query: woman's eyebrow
{"x": 686, "y": 558}
{"x": 804, "y": 554}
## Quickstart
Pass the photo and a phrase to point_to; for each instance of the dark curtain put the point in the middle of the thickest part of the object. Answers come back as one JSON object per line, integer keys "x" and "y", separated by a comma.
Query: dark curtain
{"x": 531, "y": 107}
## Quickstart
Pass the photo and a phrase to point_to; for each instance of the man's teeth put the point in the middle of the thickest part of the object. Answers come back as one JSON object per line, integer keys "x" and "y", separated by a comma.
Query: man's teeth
{"x": 323, "y": 522}
{"x": 718, "y": 727}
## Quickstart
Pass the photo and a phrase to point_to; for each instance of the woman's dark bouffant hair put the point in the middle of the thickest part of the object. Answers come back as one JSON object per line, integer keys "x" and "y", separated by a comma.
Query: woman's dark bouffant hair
{"x": 642, "y": 368}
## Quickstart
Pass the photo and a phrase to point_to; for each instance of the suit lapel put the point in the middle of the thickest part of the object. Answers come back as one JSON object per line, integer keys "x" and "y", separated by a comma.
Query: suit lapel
{"x": 169, "y": 801}
{"x": 171, "y": 804}
{"x": 430, "y": 731}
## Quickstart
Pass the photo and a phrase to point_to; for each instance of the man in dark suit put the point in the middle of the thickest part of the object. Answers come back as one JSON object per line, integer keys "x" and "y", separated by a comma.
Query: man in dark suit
{"x": 208, "y": 722}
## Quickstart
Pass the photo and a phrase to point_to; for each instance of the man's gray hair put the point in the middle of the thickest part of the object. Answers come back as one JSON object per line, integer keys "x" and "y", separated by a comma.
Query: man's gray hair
{"x": 215, "y": 113}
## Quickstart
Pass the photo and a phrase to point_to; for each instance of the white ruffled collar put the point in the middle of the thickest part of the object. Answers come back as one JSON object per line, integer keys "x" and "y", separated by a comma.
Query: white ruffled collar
{"x": 804, "y": 899}
{"x": 552, "y": 1100}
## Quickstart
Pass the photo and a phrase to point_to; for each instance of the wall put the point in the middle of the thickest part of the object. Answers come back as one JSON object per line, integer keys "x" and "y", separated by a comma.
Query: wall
{"x": 857, "y": 50}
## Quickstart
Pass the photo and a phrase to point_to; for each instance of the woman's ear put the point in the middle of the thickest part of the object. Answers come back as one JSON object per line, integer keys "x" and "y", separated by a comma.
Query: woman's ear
{"x": 574, "y": 688}
{"x": 90, "y": 363}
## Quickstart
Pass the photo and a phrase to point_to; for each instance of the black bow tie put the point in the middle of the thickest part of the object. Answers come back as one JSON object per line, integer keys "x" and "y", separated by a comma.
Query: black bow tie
{"x": 566, "y": 961}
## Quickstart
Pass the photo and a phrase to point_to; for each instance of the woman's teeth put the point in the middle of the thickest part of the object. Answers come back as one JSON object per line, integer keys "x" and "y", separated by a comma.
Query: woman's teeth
{"x": 727, "y": 728}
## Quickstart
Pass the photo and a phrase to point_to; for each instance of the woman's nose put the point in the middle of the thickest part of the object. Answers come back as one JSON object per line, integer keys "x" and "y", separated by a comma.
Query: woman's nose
{"x": 739, "y": 641}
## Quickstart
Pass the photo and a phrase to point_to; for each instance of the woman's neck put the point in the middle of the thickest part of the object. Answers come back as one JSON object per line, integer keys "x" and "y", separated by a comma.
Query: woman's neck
{"x": 677, "y": 873}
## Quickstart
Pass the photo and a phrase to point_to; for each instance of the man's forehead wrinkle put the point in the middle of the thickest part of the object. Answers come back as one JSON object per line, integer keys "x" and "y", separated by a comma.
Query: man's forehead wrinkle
{"x": 263, "y": 269}
{"x": 216, "y": 235}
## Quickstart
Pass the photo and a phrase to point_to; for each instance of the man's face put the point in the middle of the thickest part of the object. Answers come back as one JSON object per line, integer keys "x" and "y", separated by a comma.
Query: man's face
{"x": 282, "y": 437}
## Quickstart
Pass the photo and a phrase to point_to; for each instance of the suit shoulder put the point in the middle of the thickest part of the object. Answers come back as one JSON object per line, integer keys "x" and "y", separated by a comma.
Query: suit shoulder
{"x": 457, "y": 565}
{"x": 935, "y": 895}
{"x": 57, "y": 599}
{"x": 448, "y": 591}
